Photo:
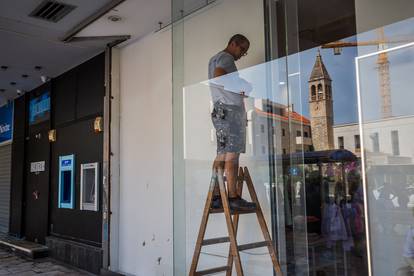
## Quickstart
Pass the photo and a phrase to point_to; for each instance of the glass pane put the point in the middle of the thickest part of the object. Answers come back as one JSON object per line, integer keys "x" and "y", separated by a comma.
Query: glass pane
{"x": 89, "y": 185}
{"x": 385, "y": 93}
{"x": 66, "y": 187}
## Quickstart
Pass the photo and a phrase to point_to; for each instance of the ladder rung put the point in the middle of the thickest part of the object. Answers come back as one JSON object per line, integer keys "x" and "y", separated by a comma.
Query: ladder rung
{"x": 252, "y": 245}
{"x": 212, "y": 270}
{"x": 215, "y": 211}
{"x": 215, "y": 240}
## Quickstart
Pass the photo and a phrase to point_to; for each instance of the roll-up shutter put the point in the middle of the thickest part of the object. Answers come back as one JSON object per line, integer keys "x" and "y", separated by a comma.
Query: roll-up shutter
{"x": 5, "y": 172}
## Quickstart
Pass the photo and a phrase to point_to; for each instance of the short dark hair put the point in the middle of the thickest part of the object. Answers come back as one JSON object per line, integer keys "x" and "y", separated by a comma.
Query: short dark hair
{"x": 238, "y": 39}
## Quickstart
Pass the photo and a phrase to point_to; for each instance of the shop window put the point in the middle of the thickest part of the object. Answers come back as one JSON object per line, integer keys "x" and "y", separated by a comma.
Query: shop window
{"x": 89, "y": 186}
{"x": 395, "y": 143}
{"x": 341, "y": 142}
{"x": 66, "y": 182}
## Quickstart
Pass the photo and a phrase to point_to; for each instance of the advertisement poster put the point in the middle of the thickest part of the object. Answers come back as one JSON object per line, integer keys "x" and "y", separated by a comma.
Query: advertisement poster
{"x": 6, "y": 123}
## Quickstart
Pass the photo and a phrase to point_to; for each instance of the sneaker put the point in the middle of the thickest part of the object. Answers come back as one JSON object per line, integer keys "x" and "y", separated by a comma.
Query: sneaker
{"x": 241, "y": 204}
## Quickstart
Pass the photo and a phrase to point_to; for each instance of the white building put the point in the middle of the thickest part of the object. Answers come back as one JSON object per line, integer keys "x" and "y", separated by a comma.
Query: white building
{"x": 386, "y": 141}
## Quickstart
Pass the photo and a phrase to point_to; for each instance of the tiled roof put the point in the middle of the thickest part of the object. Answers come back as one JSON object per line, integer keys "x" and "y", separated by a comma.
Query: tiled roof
{"x": 293, "y": 115}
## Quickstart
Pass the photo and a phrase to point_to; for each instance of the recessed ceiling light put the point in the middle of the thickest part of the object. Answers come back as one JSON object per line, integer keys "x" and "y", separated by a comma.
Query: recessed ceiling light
{"x": 114, "y": 18}
{"x": 4, "y": 67}
{"x": 12, "y": 83}
{"x": 38, "y": 68}
{"x": 25, "y": 76}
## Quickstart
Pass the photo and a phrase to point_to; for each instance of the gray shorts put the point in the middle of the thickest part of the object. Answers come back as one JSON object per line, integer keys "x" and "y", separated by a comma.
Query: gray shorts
{"x": 230, "y": 124}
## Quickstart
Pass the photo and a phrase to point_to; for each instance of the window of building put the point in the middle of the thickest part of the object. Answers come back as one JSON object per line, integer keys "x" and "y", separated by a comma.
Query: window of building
{"x": 89, "y": 186}
{"x": 375, "y": 142}
{"x": 284, "y": 151}
{"x": 305, "y": 134}
{"x": 283, "y": 132}
{"x": 313, "y": 92}
{"x": 262, "y": 128}
{"x": 298, "y": 133}
{"x": 341, "y": 142}
{"x": 357, "y": 142}
{"x": 395, "y": 142}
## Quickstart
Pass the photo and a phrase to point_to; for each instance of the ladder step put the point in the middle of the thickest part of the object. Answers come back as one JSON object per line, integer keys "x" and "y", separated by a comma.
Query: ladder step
{"x": 233, "y": 212}
{"x": 215, "y": 241}
{"x": 252, "y": 245}
{"x": 212, "y": 270}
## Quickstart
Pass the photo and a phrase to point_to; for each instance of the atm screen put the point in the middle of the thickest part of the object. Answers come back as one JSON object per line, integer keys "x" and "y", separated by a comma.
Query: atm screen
{"x": 66, "y": 186}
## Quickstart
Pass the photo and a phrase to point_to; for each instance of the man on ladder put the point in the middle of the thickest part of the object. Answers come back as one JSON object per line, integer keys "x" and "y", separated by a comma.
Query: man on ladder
{"x": 229, "y": 116}
{"x": 229, "y": 119}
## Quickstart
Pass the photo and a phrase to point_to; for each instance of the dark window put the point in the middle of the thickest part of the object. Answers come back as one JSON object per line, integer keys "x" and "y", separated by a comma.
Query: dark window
{"x": 357, "y": 142}
{"x": 298, "y": 133}
{"x": 66, "y": 187}
{"x": 305, "y": 134}
{"x": 283, "y": 132}
{"x": 313, "y": 92}
{"x": 341, "y": 142}
{"x": 284, "y": 151}
{"x": 395, "y": 142}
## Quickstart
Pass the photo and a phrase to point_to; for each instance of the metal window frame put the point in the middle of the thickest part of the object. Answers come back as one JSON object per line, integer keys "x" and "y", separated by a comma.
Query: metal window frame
{"x": 363, "y": 161}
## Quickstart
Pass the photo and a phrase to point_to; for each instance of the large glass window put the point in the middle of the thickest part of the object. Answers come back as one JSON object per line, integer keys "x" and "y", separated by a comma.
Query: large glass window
{"x": 318, "y": 110}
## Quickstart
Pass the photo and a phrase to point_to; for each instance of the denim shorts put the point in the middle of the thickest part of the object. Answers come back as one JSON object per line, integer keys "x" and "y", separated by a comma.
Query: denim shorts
{"x": 230, "y": 124}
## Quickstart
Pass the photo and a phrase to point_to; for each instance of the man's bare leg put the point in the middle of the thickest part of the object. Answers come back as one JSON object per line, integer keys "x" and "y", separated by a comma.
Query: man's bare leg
{"x": 218, "y": 164}
{"x": 231, "y": 166}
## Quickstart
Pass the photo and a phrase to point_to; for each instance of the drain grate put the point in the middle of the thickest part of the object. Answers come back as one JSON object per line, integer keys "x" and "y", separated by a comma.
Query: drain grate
{"x": 51, "y": 11}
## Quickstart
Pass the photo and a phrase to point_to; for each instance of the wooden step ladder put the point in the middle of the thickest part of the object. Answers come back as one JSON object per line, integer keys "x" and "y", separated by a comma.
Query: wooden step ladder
{"x": 232, "y": 225}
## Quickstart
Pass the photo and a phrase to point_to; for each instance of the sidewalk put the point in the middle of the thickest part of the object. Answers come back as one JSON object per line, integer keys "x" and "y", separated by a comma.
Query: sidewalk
{"x": 13, "y": 264}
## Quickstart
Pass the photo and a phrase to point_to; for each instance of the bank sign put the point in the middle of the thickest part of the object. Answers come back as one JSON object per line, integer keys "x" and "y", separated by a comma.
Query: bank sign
{"x": 39, "y": 109}
{"x": 6, "y": 123}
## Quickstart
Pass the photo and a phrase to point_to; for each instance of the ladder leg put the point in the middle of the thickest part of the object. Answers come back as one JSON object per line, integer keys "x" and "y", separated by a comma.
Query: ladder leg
{"x": 262, "y": 223}
{"x": 230, "y": 228}
{"x": 203, "y": 225}
{"x": 240, "y": 180}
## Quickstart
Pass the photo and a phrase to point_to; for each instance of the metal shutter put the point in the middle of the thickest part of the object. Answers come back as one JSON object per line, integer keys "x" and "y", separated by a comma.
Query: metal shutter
{"x": 5, "y": 172}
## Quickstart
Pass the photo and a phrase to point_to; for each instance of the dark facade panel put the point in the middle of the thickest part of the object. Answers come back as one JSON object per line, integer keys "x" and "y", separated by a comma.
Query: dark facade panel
{"x": 91, "y": 89}
{"x": 81, "y": 140}
{"x": 64, "y": 97}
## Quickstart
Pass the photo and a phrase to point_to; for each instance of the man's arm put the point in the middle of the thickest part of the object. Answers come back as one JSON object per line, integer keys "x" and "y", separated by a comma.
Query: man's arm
{"x": 219, "y": 72}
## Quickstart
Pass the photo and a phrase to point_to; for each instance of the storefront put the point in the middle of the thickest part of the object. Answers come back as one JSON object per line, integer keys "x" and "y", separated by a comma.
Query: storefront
{"x": 328, "y": 108}
{"x": 6, "y": 135}
{"x": 57, "y": 169}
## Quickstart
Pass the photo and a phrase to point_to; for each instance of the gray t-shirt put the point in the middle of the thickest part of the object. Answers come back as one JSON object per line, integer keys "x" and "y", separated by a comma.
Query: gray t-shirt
{"x": 225, "y": 88}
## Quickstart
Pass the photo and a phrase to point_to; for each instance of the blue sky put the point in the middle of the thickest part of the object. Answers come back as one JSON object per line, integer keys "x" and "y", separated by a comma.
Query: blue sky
{"x": 269, "y": 79}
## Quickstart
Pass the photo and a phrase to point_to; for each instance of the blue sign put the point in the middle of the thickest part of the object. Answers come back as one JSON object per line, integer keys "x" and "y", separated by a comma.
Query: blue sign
{"x": 66, "y": 163}
{"x": 39, "y": 109}
{"x": 294, "y": 171}
{"x": 6, "y": 122}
